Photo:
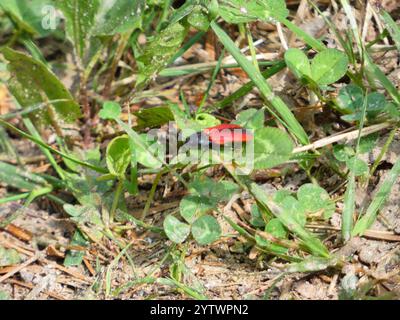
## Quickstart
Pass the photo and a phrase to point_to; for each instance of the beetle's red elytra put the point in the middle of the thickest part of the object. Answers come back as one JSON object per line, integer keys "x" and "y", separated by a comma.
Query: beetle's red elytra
{"x": 228, "y": 133}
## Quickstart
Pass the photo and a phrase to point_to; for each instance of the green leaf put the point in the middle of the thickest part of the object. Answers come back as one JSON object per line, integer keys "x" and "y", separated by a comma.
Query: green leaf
{"x": 289, "y": 221}
{"x": 193, "y": 206}
{"x": 368, "y": 143}
{"x": 175, "y": 230}
{"x": 215, "y": 191}
{"x": 251, "y": 119}
{"x": 153, "y": 117}
{"x": 149, "y": 146}
{"x": 158, "y": 52}
{"x": 110, "y": 111}
{"x": 80, "y": 18}
{"x": 198, "y": 19}
{"x": 298, "y": 63}
{"x": 32, "y": 84}
{"x": 315, "y": 199}
{"x": 276, "y": 228}
{"x": 148, "y": 155}
{"x": 343, "y": 152}
{"x": 329, "y": 66}
{"x": 75, "y": 257}
{"x": 272, "y": 147}
{"x": 376, "y": 103}
{"x": 9, "y": 257}
{"x": 206, "y": 230}
{"x": 357, "y": 166}
{"x": 265, "y": 90}
{"x": 207, "y": 120}
{"x": 312, "y": 264}
{"x": 87, "y": 216}
{"x": 121, "y": 16}
{"x": 350, "y": 98}
{"x": 118, "y": 156}
{"x": 292, "y": 207}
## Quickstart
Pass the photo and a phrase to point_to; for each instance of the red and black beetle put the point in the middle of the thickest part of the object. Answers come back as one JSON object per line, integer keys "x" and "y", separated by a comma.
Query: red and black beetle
{"x": 221, "y": 134}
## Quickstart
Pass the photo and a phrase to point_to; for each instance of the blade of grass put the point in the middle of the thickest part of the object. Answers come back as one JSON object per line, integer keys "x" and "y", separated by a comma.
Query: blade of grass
{"x": 211, "y": 83}
{"x": 245, "y": 89}
{"x": 265, "y": 90}
{"x": 311, "y": 41}
{"x": 379, "y": 199}
{"x": 40, "y": 143}
{"x": 349, "y": 197}
{"x": 392, "y": 27}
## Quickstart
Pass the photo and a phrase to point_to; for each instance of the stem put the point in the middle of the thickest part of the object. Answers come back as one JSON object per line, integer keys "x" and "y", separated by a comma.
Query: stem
{"x": 151, "y": 195}
{"x": 383, "y": 151}
{"x": 117, "y": 195}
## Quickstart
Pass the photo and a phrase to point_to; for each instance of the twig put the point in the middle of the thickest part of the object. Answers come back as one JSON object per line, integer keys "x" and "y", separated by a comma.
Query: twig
{"x": 19, "y": 268}
{"x": 348, "y": 136}
{"x": 29, "y": 286}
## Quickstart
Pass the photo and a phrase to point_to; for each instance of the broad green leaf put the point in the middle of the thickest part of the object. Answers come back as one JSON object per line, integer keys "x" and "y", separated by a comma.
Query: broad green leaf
{"x": 206, "y": 230}
{"x": 198, "y": 19}
{"x": 276, "y": 228}
{"x": 158, "y": 52}
{"x": 272, "y": 147}
{"x": 118, "y": 16}
{"x": 309, "y": 240}
{"x": 146, "y": 154}
{"x": 175, "y": 230}
{"x": 213, "y": 190}
{"x": 192, "y": 206}
{"x": 368, "y": 143}
{"x": 329, "y": 66}
{"x": 315, "y": 199}
{"x": 350, "y": 98}
{"x": 343, "y": 152}
{"x": 118, "y": 155}
{"x": 15, "y": 177}
{"x": 9, "y": 257}
{"x": 357, "y": 166}
{"x": 32, "y": 83}
{"x": 251, "y": 119}
{"x": 298, "y": 63}
{"x": 80, "y": 17}
{"x": 376, "y": 103}
{"x": 153, "y": 117}
{"x": 207, "y": 120}
{"x": 149, "y": 146}
{"x": 110, "y": 110}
